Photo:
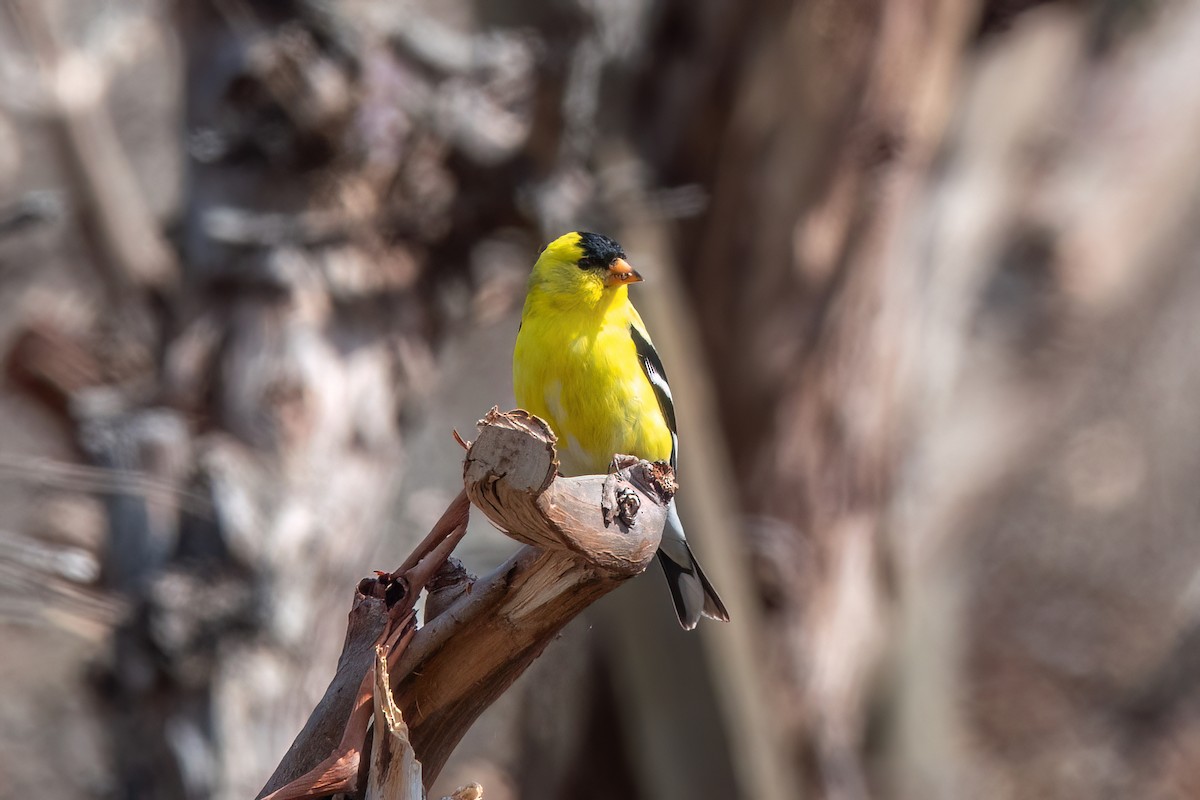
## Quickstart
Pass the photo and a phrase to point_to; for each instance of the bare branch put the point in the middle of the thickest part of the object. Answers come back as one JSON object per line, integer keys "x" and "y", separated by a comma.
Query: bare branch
{"x": 596, "y": 531}
{"x": 510, "y": 475}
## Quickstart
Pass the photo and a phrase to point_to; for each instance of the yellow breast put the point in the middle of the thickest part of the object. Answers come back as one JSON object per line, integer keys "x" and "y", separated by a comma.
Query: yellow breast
{"x": 579, "y": 371}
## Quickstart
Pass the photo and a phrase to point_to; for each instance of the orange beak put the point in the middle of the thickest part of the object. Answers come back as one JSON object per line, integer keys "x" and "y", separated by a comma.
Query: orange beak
{"x": 620, "y": 273}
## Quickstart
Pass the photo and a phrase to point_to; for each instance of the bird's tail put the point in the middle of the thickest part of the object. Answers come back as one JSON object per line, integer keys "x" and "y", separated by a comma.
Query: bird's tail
{"x": 691, "y": 591}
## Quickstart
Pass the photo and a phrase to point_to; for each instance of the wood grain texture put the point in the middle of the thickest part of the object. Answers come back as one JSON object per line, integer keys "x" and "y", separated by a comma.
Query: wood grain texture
{"x": 467, "y": 656}
{"x": 320, "y": 735}
{"x": 597, "y": 531}
{"x": 395, "y": 773}
{"x": 514, "y": 483}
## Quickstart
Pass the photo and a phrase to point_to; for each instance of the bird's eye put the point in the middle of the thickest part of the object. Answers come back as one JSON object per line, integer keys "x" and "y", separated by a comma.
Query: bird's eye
{"x": 587, "y": 262}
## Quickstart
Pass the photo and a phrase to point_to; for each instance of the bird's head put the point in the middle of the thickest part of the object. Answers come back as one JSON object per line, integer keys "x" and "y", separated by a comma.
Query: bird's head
{"x": 581, "y": 267}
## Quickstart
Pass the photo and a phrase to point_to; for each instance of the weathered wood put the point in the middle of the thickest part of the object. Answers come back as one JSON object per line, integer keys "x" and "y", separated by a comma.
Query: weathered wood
{"x": 598, "y": 531}
{"x": 395, "y": 773}
{"x": 466, "y": 657}
{"x": 320, "y": 735}
{"x": 513, "y": 482}
{"x": 325, "y": 757}
{"x": 472, "y": 791}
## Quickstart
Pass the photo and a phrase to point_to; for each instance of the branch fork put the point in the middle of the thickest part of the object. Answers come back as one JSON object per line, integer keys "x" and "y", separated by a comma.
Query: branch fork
{"x": 583, "y": 537}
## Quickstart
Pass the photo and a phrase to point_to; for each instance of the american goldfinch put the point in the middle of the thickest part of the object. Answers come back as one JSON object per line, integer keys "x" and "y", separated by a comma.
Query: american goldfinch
{"x": 584, "y": 363}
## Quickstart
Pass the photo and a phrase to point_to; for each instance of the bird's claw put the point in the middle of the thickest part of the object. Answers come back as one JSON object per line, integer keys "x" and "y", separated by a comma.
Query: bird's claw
{"x": 616, "y": 503}
{"x": 620, "y": 462}
{"x": 628, "y": 504}
{"x": 619, "y": 502}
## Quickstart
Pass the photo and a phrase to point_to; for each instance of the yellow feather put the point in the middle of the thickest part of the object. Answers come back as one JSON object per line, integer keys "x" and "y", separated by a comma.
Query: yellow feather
{"x": 576, "y": 366}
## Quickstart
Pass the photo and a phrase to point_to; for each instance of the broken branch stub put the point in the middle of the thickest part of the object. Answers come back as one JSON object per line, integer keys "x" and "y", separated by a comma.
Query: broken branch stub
{"x": 612, "y": 522}
{"x": 586, "y": 536}
{"x": 394, "y": 773}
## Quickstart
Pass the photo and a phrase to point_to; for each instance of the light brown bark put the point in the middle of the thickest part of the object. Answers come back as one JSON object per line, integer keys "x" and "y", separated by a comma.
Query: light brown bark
{"x": 593, "y": 533}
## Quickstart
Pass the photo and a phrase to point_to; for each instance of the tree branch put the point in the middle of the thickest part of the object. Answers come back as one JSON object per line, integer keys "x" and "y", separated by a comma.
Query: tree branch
{"x": 583, "y": 536}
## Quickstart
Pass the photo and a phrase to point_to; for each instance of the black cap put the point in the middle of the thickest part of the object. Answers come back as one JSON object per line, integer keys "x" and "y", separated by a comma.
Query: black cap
{"x": 598, "y": 250}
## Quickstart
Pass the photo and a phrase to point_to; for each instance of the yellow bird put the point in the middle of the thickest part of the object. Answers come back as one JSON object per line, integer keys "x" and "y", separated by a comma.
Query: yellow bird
{"x": 584, "y": 363}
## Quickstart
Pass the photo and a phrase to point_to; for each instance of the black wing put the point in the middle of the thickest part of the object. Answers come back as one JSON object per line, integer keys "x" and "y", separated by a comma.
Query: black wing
{"x": 653, "y": 367}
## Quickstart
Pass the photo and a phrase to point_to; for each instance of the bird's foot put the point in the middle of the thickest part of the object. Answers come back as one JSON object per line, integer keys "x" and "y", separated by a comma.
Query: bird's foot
{"x": 628, "y": 504}
{"x": 619, "y": 502}
{"x": 620, "y": 462}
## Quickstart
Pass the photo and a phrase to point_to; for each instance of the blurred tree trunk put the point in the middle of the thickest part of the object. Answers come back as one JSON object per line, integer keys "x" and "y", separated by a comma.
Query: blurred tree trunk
{"x": 285, "y": 356}
{"x": 940, "y": 257}
{"x": 788, "y": 278}
{"x": 903, "y": 275}
{"x": 243, "y": 414}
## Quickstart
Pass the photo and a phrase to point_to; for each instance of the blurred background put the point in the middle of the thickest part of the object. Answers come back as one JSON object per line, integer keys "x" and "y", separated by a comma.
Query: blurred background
{"x": 925, "y": 277}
